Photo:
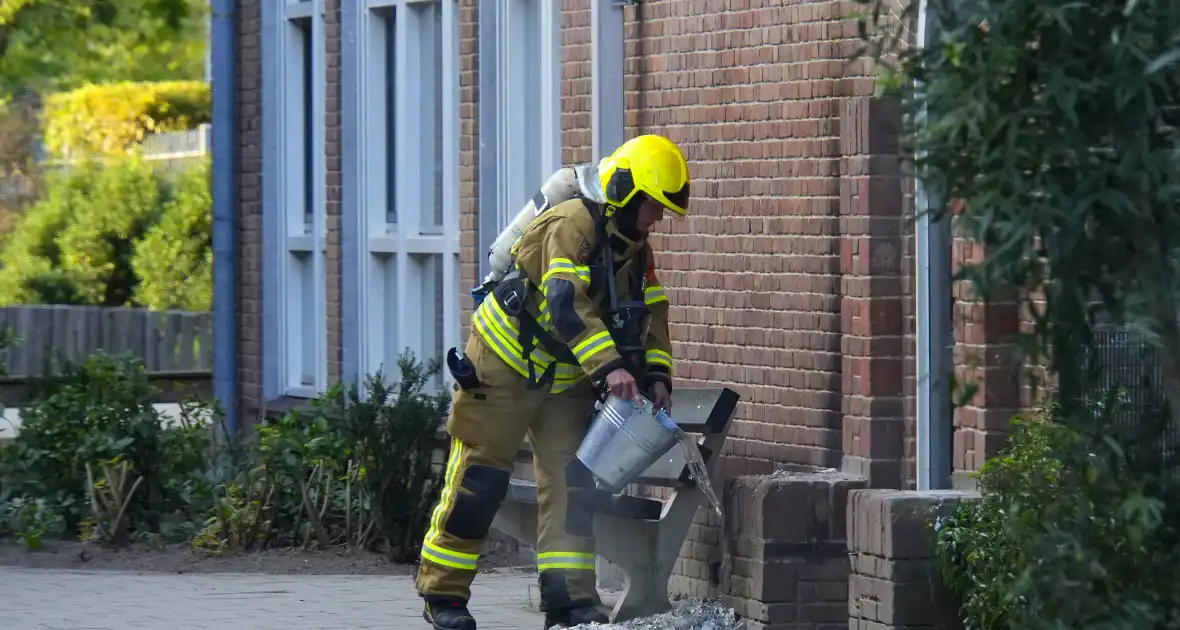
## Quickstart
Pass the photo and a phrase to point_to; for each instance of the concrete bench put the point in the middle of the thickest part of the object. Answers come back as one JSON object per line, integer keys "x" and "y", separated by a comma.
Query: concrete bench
{"x": 642, "y": 536}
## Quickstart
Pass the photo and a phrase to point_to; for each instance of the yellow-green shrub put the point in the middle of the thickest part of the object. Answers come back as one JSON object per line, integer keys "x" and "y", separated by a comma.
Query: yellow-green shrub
{"x": 76, "y": 245}
{"x": 112, "y": 119}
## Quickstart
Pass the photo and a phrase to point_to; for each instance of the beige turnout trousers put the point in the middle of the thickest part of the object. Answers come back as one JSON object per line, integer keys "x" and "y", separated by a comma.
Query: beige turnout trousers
{"x": 487, "y": 426}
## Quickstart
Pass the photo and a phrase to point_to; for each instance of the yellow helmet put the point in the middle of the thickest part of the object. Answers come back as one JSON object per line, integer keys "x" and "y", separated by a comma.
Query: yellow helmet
{"x": 651, "y": 164}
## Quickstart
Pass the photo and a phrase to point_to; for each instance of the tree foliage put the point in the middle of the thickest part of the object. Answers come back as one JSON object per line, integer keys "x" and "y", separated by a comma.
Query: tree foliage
{"x": 53, "y": 45}
{"x": 1072, "y": 531}
{"x": 20, "y": 171}
{"x": 174, "y": 261}
{"x": 1054, "y": 124}
{"x": 90, "y": 240}
{"x": 115, "y": 118}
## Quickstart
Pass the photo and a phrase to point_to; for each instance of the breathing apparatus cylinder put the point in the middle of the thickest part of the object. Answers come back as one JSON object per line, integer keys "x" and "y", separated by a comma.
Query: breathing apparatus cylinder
{"x": 564, "y": 184}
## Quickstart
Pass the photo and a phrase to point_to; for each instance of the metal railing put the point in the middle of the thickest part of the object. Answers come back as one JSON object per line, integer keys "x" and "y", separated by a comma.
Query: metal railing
{"x": 168, "y": 151}
{"x": 1127, "y": 363}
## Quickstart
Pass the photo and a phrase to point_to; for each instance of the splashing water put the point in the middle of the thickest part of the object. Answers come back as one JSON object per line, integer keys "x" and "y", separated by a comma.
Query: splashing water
{"x": 691, "y": 616}
{"x": 700, "y": 474}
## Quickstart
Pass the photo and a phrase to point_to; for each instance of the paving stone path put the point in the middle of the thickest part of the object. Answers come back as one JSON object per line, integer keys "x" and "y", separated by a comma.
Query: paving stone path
{"x": 35, "y": 599}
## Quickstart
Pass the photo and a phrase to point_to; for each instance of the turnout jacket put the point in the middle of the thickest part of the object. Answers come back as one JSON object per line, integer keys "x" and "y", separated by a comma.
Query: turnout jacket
{"x": 570, "y": 300}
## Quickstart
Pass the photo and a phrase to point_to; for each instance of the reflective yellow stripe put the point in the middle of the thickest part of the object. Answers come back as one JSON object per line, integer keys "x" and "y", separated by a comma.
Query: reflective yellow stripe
{"x": 574, "y": 560}
{"x": 566, "y": 377}
{"x": 447, "y": 497}
{"x": 659, "y": 357}
{"x": 446, "y": 501}
{"x": 565, "y": 265}
{"x": 501, "y": 334}
{"x": 448, "y": 558}
{"x": 563, "y": 386}
{"x": 511, "y": 333}
{"x": 502, "y": 339}
{"x": 592, "y": 345}
{"x": 496, "y": 328}
{"x": 651, "y": 295}
{"x": 510, "y": 357}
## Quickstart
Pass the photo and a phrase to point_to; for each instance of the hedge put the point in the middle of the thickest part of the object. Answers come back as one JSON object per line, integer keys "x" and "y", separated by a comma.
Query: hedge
{"x": 113, "y": 233}
{"x": 112, "y": 119}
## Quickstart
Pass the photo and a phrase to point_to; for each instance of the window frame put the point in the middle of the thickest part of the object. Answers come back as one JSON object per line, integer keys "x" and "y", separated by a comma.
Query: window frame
{"x": 392, "y": 272}
{"x": 508, "y": 172}
{"x": 293, "y": 227}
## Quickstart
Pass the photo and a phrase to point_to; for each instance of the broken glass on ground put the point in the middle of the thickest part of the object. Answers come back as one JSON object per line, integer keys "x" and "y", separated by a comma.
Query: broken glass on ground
{"x": 693, "y": 615}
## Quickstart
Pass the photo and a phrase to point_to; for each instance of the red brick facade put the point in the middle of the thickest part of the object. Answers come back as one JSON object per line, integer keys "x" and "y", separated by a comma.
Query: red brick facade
{"x": 792, "y": 280}
{"x": 249, "y": 210}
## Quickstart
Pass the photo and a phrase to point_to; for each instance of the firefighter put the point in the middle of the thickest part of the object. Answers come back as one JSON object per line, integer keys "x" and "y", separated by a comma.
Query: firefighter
{"x": 583, "y": 306}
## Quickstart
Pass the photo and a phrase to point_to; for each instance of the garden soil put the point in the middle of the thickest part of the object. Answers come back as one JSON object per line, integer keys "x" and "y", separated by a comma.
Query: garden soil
{"x": 183, "y": 559}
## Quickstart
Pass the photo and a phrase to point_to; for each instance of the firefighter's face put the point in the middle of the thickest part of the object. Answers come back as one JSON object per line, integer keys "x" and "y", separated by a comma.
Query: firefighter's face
{"x": 650, "y": 213}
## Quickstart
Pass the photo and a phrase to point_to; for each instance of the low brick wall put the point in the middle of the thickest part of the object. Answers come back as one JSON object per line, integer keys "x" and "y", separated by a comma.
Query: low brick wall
{"x": 790, "y": 566}
{"x": 895, "y": 583}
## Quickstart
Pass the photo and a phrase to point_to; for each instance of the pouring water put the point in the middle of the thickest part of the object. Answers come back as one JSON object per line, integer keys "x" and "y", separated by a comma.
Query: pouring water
{"x": 700, "y": 474}
{"x": 626, "y": 437}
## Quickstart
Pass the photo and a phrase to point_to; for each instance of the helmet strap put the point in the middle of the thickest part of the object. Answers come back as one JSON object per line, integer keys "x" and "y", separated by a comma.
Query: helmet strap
{"x": 626, "y": 217}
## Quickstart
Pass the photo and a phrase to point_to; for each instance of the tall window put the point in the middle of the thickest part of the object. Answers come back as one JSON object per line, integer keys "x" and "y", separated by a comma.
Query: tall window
{"x": 294, "y": 306}
{"x": 528, "y": 100}
{"x": 407, "y": 213}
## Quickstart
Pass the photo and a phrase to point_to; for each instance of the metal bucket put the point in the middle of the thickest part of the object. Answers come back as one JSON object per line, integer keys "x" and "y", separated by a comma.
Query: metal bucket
{"x": 624, "y": 439}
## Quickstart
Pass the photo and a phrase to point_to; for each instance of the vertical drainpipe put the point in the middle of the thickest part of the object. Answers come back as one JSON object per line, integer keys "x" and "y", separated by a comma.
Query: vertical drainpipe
{"x": 224, "y": 69}
{"x": 935, "y": 336}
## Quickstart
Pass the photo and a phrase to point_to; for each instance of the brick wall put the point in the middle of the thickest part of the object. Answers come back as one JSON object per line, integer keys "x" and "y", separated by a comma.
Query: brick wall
{"x": 895, "y": 582}
{"x": 470, "y": 251}
{"x": 751, "y": 92}
{"x": 872, "y": 203}
{"x": 333, "y": 178}
{"x": 249, "y": 211}
{"x": 751, "y": 95}
{"x": 988, "y": 357}
{"x": 791, "y": 567}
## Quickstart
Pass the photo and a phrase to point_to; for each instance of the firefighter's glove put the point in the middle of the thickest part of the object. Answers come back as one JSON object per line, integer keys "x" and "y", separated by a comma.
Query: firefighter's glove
{"x": 660, "y": 397}
{"x": 621, "y": 384}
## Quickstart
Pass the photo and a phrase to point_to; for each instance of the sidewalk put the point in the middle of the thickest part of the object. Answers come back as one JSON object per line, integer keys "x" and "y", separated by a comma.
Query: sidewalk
{"x": 33, "y": 599}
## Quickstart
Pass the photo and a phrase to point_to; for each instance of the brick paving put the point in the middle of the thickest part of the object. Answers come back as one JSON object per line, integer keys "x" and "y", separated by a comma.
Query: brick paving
{"x": 35, "y": 599}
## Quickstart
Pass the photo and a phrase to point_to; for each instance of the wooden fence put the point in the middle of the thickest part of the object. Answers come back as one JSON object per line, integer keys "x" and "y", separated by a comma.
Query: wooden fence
{"x": 176, "y": 346}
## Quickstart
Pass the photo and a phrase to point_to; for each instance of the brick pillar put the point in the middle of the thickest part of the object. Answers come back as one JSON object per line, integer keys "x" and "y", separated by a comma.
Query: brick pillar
{"x": 791, "y": 563}
{"x": 871, "y": 307}
{"x": 248, "y": 213}
{"x": 333, "y": 264}
{"x": 895, "y": 582}
{"x": 987, "y": 357}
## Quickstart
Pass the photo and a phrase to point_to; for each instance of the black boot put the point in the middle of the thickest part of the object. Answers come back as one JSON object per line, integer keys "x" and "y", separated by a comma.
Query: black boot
{"x": 448, "y": 614}
{"x": 573, "y": 617}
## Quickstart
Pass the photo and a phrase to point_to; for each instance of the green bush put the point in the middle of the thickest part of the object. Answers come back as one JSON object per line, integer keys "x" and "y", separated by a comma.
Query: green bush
{"x": 174, "y": 261}
{"x": 96, "y": 245}
{"x": 353, "y": 470}
{"x": 1076, "y": 528}
{"x": 95, "y": 413}
{"x": 357, "y": 468}
{"x": 113, "y": 233}
{"x": 30, "y": 269}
